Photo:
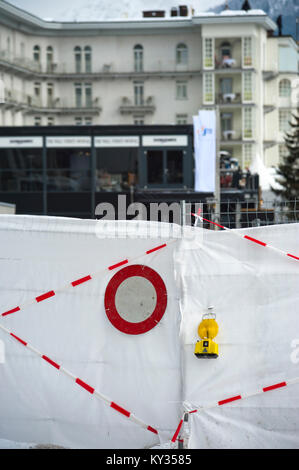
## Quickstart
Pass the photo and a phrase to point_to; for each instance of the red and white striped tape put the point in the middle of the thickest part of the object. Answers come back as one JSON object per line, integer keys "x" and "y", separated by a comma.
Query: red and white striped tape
{"x": 83, "y": 280}
{"x": 246, "y": 237}
{"x": 236, "y": 398}
{"x": 82, "y": 384}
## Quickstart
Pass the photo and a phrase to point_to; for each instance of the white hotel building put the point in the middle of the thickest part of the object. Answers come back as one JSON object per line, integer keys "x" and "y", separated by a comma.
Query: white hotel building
{"x": 153, "y": 71}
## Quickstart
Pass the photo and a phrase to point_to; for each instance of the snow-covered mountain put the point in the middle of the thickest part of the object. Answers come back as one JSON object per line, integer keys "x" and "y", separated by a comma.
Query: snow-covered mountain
{"x": 97, "y": 10}
{"x": 90, "y": 10}
{"x": 289, "y": 9}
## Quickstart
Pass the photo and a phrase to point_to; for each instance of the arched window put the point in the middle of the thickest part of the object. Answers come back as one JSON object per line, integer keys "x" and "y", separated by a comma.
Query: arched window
{"x": 138, "y": 58}
{"x": 87, "y": 54}
{"x": 78, "y": 59}
{"x": 284, "y": 88}
{"x": 49, "y": 59}
{"x": 181, "y": 54}
{"x": 36, "y": 53}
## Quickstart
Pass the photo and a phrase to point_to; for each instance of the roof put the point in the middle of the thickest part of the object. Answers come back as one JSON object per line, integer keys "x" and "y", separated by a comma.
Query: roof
{"x": 20, "y": 19}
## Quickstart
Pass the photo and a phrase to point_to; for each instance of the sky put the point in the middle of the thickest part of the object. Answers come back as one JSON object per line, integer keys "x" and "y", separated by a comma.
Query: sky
{"x": 58, "y": 9}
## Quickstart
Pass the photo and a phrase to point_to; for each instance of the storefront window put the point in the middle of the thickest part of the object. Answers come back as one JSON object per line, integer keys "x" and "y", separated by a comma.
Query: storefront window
{"x": 116, "y": 168}
{"x": 68, "y": 169}
{"x": 164, "y": 167}
{"x": 155, "y": 166}
{"x": 21, "y": 170}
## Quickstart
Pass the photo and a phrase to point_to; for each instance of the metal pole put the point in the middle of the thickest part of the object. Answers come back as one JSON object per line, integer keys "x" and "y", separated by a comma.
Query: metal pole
{"x": 217, "y": 172}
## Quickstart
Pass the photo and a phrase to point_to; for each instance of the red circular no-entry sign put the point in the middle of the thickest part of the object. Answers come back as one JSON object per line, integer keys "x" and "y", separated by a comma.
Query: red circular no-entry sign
{"x": 135, "y": 299}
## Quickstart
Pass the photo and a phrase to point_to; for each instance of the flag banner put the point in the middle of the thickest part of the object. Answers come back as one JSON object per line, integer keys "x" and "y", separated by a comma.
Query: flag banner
{"x": 205, "y": 151}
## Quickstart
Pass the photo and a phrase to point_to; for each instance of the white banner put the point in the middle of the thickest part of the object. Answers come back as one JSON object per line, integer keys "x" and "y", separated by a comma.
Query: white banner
{"x": 205, "y": 151}
{"x": 164, "y": 141}
{"x": 21, "y": 142}
{"x": 116, "y": 141}
{"x": 68, "y": 142}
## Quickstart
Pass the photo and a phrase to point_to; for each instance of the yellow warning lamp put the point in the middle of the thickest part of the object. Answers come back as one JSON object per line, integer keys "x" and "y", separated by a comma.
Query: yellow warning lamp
{"x": 207, "y": 330}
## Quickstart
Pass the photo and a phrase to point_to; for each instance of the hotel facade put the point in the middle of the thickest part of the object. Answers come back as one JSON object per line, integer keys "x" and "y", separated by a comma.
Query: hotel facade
{"x": 126, "y": 91}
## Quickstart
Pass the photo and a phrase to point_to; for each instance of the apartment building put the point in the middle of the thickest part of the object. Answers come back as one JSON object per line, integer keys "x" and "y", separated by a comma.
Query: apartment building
{"x": 153, "y": 71}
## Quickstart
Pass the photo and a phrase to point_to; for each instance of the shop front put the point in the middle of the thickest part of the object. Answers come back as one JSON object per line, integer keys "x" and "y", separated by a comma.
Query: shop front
{"x": 67, "y": 171}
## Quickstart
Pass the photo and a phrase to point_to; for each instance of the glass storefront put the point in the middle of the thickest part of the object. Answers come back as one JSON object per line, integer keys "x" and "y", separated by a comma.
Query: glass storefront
{"x": 56, "y": 173}
{"x": 68, "y": 169}
{"x": 21, "y": 170}
{"x": 116, "y": 168}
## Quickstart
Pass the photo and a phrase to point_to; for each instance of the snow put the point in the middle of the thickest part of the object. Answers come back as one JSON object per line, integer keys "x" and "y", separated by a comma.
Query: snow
{"x": 267, "y": 175}
{"x": 5, "y": 444}
{"x": 242, "y": 12}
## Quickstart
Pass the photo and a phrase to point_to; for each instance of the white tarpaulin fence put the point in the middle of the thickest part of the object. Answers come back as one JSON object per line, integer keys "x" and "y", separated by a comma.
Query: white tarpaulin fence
{"x": 255, "y": 294}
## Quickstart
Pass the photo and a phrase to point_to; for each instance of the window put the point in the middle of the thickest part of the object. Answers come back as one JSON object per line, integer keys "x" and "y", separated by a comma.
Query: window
{"x": 247, "y": 52}
{"x": 49, "y": 59}
{"x": 181, "y": 119}
{"x": 51, "y": 121}
{"x": 247, "y": 86}
{"x": 182, "y": 54}
{"x": 78, "y": 121}
{"x": 138, "y": 93}
{"x": 68, "y": 169}
{"x": 208, "y": 53}
{"x": 181, "y": 90}
{"x": 248, "y": 122}
{"x": 37, "y": 89}
{"x": 88, "y": 95}
{"x": 138, "y": 58}
{"x": 78, "y": 59}
{"x": 138, "y": 120}
{"x": 247, "y": 155}
{"x": 208, "y": 84}
{"x": 226, "y": 85}
{"x": 88, "y": 121}
{"x": 21, "y": 170}
{"x": 37, "y": 94}
{"x": 37, "y": 121}
{"x": 283, "y": 152}
{"x": 284, "y": 88}
{"x": 87, "y": 54}
{"x": 78, "y": 95}
{"x": 225, "y": 50}
{"x": 116, "y": 168}
{"x": 284, "y": 119}
{"x": 226, "y": 122}
{"x": 50, "y": 92}
{"x": 8, "y": 47}
{"x": 36, "y": 53}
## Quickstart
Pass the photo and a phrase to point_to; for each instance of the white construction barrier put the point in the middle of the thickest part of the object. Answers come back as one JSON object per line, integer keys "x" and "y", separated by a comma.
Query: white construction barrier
{"x": 53, "y": 281}
{"x": 99, "y": 334}
{"x": 255, "y": 293}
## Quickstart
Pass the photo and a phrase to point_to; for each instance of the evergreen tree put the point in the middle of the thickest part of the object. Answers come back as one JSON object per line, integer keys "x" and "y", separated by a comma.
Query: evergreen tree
{"x": 288, "y": 169}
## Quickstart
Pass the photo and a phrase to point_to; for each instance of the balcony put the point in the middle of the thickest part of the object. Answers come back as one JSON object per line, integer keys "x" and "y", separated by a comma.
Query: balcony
{"x": 64, "y": 106}
{"x": 228, "y": 99}
{"x": 31, "y": 104}
{"x": 18, "y": 65}
{"x": 146, "y": 106}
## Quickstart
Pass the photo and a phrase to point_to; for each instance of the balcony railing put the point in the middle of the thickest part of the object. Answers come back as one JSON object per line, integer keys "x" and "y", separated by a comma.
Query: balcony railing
{"x": 228, "y": 98}
{"x": 19, "y": 100}
{"x": 128, "y": 106}
{"x": 229, "y": 135}
{"x": 227, "y": 63}
{"x": 21, "y": 62}
{"x": 237, "y": 179}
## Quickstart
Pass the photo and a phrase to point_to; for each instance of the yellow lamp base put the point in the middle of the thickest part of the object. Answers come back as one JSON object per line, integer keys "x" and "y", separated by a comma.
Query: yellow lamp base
{"x": 206, "y": 349}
